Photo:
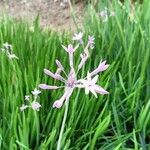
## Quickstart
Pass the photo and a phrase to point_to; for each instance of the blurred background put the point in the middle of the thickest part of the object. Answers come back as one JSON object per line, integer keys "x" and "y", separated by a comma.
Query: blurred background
{"x": 54, "y": 13}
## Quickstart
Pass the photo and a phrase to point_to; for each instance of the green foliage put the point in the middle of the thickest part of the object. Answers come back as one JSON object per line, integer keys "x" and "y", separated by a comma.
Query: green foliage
{"x": 119, "y": 121}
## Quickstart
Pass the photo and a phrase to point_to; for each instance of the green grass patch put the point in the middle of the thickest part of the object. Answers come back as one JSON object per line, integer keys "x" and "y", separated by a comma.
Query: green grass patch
{"x": 118, "y": 121}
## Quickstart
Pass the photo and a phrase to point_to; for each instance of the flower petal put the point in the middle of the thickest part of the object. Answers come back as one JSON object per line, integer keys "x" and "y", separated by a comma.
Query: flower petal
{"x": 94, "y": 80}
{"x": 65, "y": 48}
{"x": 49, "y": 73}
{"x": 79, "y": 85}
{"x": 55, "y": 76}
{"x": 93, "y": 92}
{"x": 89, "y": 76}
{"x": 59, "y": 64}
{"x": 86, "y": 90}
{"x": 102, "y": 67}
{"x": 66, "y": 96}
{"x": 100, "y": 90}
{"x": 48, "y": 87}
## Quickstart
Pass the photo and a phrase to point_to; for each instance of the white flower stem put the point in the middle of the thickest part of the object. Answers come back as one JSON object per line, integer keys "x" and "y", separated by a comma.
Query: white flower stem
{"x": 63, "y": 125}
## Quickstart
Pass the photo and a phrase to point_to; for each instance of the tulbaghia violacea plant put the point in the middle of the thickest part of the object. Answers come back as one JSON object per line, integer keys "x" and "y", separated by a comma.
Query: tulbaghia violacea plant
{"x": 88, "y": 83}
{"x": 71, "y": 81}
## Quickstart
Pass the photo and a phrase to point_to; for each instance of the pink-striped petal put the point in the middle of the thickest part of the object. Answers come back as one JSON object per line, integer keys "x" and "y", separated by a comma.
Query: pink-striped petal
{"x": 59, "y": 64}
{"x": 48, "y": 87}
{"x": 55, "y": 76}
{"x": 102, "y": 67}
{"x": 100, "y": 90}
{"x": 49, "y": 73}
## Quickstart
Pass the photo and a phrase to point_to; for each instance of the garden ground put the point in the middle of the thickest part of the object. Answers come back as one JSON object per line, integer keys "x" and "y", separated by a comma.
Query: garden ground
{"x": 52, "y": 14}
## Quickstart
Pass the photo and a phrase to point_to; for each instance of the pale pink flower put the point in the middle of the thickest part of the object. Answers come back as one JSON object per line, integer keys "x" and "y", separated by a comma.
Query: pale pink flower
{"x": 27, "y": 97}
{"x": 12, "y": 56}
{"x": 90, "y": 86}
{"x": 35, "y": 92}
{"x": 102, "y": 67}
{"x": 58, "y": 104}
{"x": 70, "y": 50}
{"x": 91, "y": 41}
{"x": 69, "y": 87}
{"x": 84, "y": 56}
{"x": 35, "y": 105}
{"x": 71, "y": 82}
{"x": 23, "y": 107}
{"x": 78, "y": 37}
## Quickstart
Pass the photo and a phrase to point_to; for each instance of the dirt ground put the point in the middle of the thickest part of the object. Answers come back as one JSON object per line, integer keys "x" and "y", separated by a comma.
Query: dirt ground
{"x": 52, "y": 14}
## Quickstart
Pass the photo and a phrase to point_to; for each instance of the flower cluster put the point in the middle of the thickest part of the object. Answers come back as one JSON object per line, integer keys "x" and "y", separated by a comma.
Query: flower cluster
{"x": 34, "y": 104}
{"x": 105, "y": 14}
{"x": 8, "y": 49}
{"x": 71, "y": 82}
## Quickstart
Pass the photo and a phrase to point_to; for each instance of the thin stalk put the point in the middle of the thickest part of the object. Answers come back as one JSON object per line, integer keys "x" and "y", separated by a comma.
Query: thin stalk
{"x": 73, "y": 15}
{"x": 63, "y": 125}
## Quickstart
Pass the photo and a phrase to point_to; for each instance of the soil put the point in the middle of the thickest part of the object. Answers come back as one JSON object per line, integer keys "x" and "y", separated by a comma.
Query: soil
{"x": 52, "y": 14}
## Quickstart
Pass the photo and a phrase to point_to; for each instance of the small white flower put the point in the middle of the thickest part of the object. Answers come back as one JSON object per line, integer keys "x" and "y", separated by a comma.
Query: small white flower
{"x": 78, "y": 37}
{"x": 27, "y": 97}
{"x": 7, "y": 46}
{"x": 12, "y": 56}
{"x": 36, "y": 92}
{"x": 23, "y": 107}
{"x": 104, "y": 15}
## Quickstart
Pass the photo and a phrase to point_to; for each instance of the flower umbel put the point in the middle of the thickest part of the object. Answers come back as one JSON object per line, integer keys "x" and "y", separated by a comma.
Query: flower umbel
{"x": 34, "y": 104}
{"x": 71, "y": 82}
